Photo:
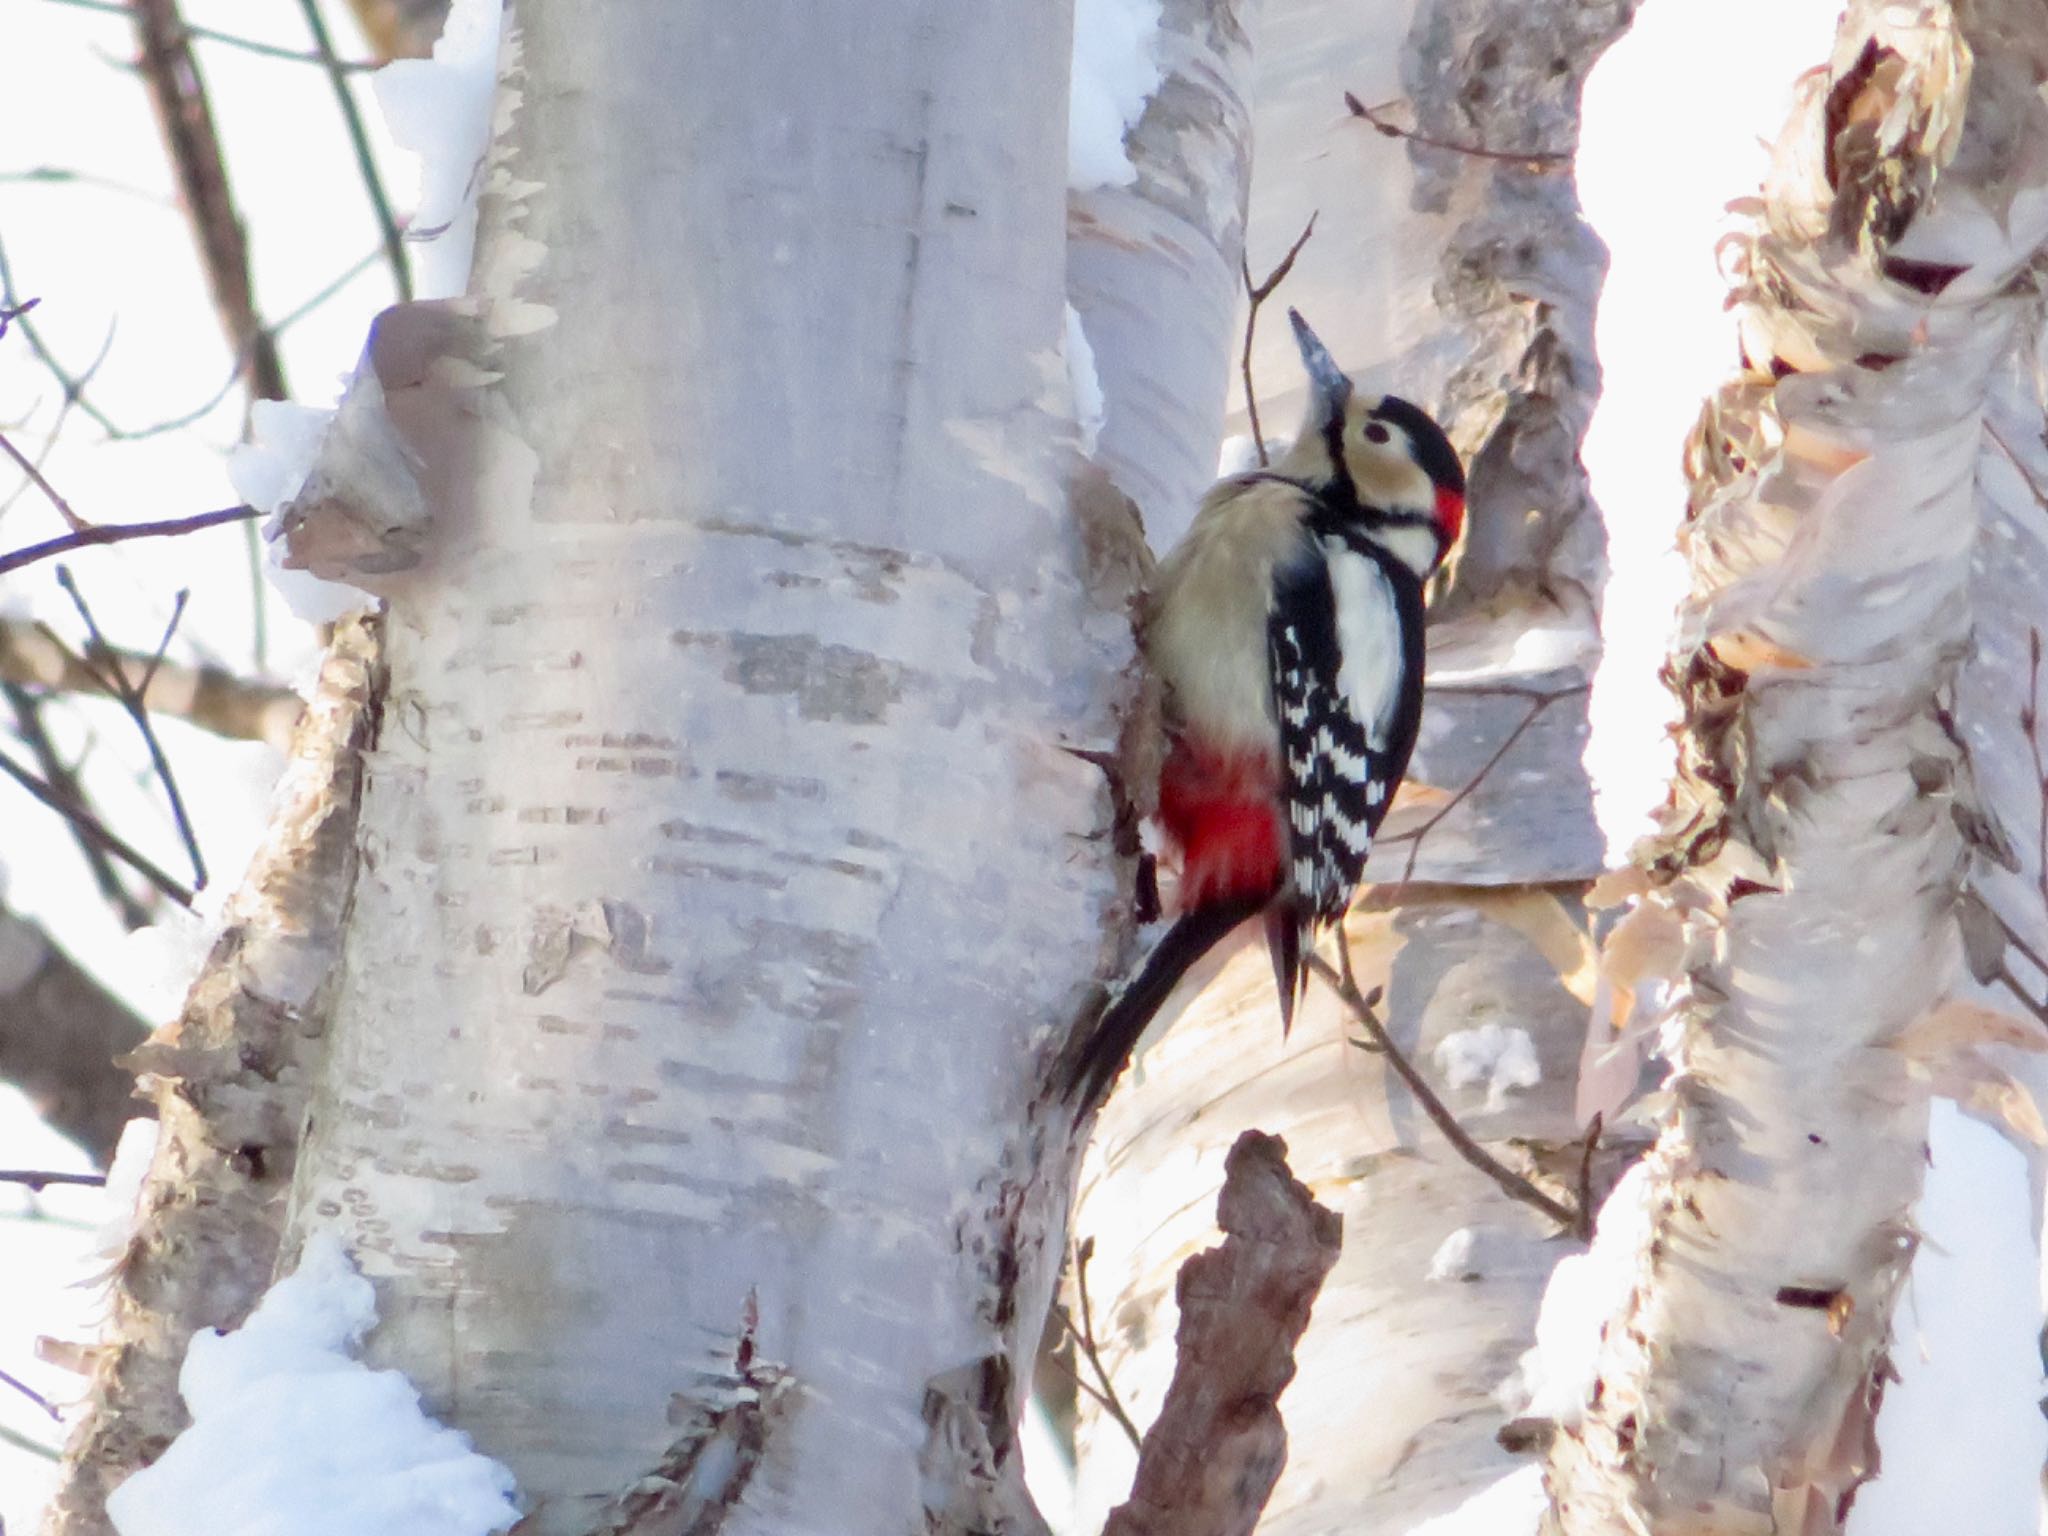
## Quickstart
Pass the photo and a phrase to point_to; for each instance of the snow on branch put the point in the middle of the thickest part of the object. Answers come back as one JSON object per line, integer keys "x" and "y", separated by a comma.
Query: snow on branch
{"x": 1210, "y": 1461}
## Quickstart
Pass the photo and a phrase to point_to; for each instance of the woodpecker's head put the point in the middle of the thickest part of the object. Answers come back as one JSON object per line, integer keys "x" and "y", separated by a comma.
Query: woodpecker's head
{"x": 1378, "y": 454}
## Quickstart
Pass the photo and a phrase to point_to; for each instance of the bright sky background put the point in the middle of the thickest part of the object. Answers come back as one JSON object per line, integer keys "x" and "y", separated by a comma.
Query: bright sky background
{"x": 110, "y": 251}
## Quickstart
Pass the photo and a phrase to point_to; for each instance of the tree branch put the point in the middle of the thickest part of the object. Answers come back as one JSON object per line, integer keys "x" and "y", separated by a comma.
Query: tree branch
{"x": 119, "y": 533}
{"x": 366, "y": 162}
{"x": 1512, "y": 1184}
{"x": 1209, "y": 1463}
{"x": 1258, "y": 293}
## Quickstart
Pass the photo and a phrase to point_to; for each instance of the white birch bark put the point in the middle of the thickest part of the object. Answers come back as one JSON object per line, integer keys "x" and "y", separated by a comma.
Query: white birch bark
{"x": 1820, "y": 826}
{"x": 1466, "y": 283}
{"x": 230, "y": 1078}
{"x": 724, "y": 881}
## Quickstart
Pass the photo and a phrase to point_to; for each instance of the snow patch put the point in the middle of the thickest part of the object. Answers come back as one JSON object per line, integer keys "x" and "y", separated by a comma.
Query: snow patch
{"x": 1498, "y": 1055}
{"x": 1453, "y": 1257}
{"x": 291, "y": 1436}
{"x": 1966, "y": 1344}
{"x": 1116, "y": 69}
{"x": 133, "y": 1154}
{"x": 1086, "y": 383}
{"x": 266, "y": 472}
{"x": 440, "y": 109}
{"x": 1511, "y": 1507}
{"x": 1586, "y": 1291}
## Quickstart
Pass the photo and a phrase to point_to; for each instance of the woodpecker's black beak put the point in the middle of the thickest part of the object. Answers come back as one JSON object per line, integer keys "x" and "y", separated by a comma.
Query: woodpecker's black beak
{"x": 1329, "y": 385}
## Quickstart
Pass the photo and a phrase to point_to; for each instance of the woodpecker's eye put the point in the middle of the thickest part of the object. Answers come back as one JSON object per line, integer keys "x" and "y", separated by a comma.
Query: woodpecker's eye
{"x": 1375, "y": 433}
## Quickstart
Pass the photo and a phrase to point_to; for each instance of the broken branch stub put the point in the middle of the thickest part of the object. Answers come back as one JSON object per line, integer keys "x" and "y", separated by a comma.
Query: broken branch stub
{"x": 1211, "y": 1459}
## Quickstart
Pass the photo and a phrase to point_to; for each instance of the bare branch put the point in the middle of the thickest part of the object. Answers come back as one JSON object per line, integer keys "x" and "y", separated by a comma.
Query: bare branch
{"x": 129, "y": 695}
{"x": 1210, "y": 1461}
{"x": 35, "y": 474}
{"x": 366, "y": 162}
{"x": 92, "y": 827}
{"x": 1258, "y": 293}
{"x": 58, "y": 774}
{"x": 39, "y": 1179}
{"x": 226, "y": 39}
{"x": 1084, "y": 1340}
{"x": 119, "y": 533}
{"x": 1534, "y": 160}
{"x": 1538, "y": 702}
{"x": 177, "y": 91}
{"x": 1512, "y": 1184}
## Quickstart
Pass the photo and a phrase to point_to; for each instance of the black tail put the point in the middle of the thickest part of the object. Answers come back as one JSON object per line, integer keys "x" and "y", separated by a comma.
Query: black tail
{"x": 1091, "y": 1069}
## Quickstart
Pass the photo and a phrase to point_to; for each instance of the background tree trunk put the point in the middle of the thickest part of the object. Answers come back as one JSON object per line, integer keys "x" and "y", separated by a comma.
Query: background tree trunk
{"x": 1824, "y": 816}
{"x": 1466, "y": 282}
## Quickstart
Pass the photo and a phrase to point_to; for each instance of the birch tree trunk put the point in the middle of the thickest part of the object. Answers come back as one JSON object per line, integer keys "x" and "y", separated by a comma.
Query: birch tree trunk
{"x": 1823, "y": 820}
{"x": 724, "y": 881}
{"x": 1467, "y": 283}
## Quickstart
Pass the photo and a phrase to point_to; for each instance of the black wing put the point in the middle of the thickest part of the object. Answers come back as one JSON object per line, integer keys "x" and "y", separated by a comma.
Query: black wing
{"x": 1344, "y": 749}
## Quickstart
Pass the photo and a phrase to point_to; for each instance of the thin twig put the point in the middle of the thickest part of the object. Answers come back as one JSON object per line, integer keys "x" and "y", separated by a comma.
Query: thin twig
{"x": 1533, "y": 159}
{"x": 1539, "y": 702}
{"x": 1258, "y": 293}
{"x": 1592, "y": 1145}
{"x": 39, "y": 1179}
{"x": 9, "y": 313}
{"x": 366, "y": 162}
{"x": 72, "y": 385}
{"x": 2030, "y": 722}
{"x": 226, "y": 39}
{"x": 63, "y": 781}
{"x": 1084, "y": 1340}
{"x": 120, "y": 533}
{"x": 31, "y": 1394}
{"x": 95, "y": 829}
{"x": 1511, "y": 1183}
{"x": 130, "y": 696}
{"x": 34, "y": 471}
{"x": 2013, "y": 938}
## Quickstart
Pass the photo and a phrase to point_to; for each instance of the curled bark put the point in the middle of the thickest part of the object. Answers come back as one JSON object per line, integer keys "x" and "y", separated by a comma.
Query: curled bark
{"x": 1813, "y": 847}
{"x": 1210, "y": 1460}
{"x": 230, "y": 1078}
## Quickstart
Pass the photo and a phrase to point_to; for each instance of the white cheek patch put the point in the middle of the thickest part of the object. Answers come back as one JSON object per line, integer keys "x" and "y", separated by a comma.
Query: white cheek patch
{"x": 1369, "y": 634}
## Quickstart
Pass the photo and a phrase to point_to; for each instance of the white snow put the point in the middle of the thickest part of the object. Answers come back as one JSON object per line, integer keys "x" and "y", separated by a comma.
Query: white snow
{"x": 440, "y": 109}
{"x": 1966, "y": 1340}
{"x": 1717, "y": 80}
{"x": 291, "y": 1436}
{"x": 1116, "y": 69}
{"x": 1511, "y": 1507}
{"x": 1585, "y": 1291}
{"x": 1499, "y": 1055}
{"x": 1087, "y": 384}
{"x": 1453, "y": 1257}
{"x": 123, "y": 1189}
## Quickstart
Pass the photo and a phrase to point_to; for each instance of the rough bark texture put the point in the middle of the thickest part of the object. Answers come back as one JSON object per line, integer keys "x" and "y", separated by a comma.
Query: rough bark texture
{"x": 1467, "y": 284}
{"x": 1210, "y": 1460}
{"x": 230, "y": 1079}
{"x": 724, "y": 878}
{"x": 1820, "y": 826}
{"x": 59, "y": 1034}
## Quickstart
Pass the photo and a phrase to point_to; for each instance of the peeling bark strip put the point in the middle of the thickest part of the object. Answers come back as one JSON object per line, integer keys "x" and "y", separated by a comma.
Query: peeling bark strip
{"x": 1811, "y": 852}
{"x": 230, "y": 1078}
{"x": 1211, "y": 1459}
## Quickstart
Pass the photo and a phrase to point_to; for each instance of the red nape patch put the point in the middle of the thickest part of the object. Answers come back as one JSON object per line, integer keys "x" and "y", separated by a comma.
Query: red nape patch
{"x": 1222, "y": 814}
{"x": 1450, "y": 513}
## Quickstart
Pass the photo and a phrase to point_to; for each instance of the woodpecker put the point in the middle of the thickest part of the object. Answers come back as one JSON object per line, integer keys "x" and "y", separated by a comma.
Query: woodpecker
{"x": 1286, "y": 632}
